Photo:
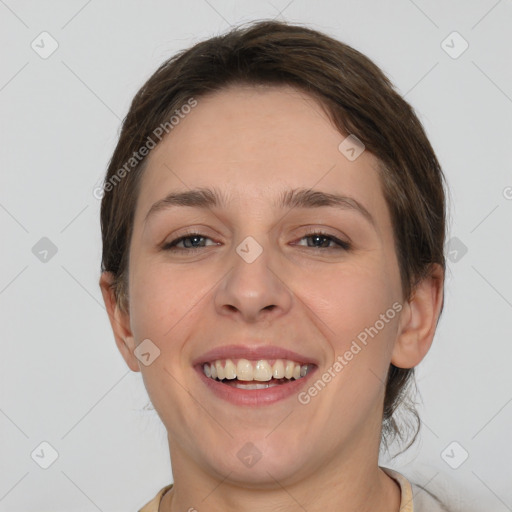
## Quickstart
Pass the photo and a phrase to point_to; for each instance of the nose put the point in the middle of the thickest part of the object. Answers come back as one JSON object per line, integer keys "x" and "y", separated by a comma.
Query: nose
{"x": 253, "y": 292}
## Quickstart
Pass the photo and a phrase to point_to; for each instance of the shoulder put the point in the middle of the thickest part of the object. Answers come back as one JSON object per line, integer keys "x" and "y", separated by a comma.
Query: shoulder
{"x": 432, "y": 489}
{"x": 414, "y": 497}
{"x": 425, "y": 501}
{"x": 152, "y": 506}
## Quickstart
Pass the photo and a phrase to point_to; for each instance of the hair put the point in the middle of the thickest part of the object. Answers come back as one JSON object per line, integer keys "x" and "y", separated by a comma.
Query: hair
{"x": 359, "y": 100}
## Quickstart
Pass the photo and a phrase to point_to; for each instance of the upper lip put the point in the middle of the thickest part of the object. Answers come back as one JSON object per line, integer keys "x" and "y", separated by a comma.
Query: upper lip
{"x": 253, "y": 353}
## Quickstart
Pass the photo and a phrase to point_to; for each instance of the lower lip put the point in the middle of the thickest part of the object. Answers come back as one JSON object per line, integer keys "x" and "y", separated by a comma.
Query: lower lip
{"x": 254, "y": 397}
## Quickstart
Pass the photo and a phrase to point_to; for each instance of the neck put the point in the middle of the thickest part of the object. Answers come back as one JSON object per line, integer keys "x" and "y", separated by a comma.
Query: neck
{"x": 352, "y": 482}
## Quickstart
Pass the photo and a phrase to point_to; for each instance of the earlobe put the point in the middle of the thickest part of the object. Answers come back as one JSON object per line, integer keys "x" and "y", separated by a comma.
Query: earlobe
{"x": 119, "y": 321}
{"x": 418, "y": 320}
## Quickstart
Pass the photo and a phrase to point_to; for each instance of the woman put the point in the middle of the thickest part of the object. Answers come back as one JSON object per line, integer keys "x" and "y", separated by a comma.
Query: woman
{"x": 273, "y": 227}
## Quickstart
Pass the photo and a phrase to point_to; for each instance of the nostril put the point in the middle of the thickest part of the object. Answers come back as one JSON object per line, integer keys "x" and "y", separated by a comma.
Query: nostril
{"x": 271, "y": 307}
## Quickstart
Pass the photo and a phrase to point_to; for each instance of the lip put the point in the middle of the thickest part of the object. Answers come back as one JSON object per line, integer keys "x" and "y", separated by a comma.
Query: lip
{"x": 254, "y": 397}
{"x": 253, "y": 353}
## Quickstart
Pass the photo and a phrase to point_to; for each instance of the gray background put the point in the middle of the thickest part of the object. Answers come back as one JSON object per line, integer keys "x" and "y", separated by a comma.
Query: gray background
{"x": 62, "y": 380}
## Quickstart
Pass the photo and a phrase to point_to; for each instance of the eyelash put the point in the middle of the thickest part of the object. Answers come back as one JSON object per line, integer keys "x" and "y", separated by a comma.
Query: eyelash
{"x": 341, "y": 244}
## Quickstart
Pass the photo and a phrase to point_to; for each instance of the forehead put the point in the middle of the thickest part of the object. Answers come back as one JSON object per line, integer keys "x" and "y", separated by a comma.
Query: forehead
{"x": 259, "y": 124}
{"x": 253, "y": 141}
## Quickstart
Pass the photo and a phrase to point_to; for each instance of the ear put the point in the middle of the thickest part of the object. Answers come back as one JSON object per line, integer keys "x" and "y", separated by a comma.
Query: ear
{"x": 120, "y": 322}
{"x": 418, "y": 320}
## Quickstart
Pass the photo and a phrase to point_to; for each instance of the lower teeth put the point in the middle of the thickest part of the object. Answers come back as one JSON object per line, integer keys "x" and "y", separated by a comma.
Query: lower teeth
{"x": 254, "y": 385}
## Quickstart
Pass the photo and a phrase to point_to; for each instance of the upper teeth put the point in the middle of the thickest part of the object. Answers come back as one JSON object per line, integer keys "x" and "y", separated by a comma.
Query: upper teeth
{"x": 260, "y": 370}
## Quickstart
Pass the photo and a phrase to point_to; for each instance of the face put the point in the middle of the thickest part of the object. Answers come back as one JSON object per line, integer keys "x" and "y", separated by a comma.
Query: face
{"x": 266, "y": 265}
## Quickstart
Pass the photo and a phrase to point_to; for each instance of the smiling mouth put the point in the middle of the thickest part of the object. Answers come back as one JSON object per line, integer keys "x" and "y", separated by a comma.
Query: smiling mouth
{"x": 252, "y": 375}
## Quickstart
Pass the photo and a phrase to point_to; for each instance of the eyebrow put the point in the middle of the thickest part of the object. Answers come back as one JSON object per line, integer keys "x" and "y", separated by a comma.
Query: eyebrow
{"x": 295, "y": 198}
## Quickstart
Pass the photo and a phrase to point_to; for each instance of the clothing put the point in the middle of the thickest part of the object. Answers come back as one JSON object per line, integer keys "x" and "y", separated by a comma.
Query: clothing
{"x": 414, "y": 498}
{"x": 152, "y": 506}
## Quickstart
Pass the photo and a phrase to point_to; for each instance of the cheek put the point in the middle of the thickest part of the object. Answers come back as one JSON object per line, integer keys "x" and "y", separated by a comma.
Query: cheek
{"x": 162, "y": 298}
{"x": 165, "y": 308}
{"x": 347, "y": 305}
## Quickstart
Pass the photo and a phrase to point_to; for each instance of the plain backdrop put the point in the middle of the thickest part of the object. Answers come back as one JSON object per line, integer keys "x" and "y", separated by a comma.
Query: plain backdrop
{"x": 69, "y": 71}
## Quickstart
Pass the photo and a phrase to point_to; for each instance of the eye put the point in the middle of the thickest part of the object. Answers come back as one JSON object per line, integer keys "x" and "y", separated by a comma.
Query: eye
{"x": 320, "y": 240}
{"x": 191, "y": 241}
{"x": 315, "y": 240}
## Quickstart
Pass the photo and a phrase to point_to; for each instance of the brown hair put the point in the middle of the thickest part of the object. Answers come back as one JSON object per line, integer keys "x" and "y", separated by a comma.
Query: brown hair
{"x": 359, "y": 99}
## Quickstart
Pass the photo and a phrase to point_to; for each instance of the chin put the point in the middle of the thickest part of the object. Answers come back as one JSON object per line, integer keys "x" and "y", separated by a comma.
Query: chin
{"x": 262, "y": 464}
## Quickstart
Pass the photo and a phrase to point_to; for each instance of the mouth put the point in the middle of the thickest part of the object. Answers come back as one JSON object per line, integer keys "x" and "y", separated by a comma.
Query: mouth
{"x": 261, "y": 374}
{"x": 254, "y": 381}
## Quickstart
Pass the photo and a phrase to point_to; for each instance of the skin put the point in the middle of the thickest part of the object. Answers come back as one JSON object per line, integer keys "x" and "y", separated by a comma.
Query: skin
{"x": 253, "y": 143}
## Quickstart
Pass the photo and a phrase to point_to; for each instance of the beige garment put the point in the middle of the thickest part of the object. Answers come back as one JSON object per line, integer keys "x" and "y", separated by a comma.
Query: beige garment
{"x": 415, "y": 498}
